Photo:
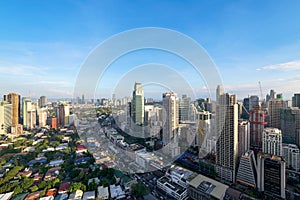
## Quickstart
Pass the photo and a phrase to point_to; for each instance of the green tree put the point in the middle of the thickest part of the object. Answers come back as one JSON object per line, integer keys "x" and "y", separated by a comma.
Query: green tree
{"x": 18, "y": 190}
{"x": 27, "y": 182}
{"x": 34, "y": 188}
{"x": 77, "y": 186}
{"x": 138, "y": 190}
{"x": 93, "y": 185}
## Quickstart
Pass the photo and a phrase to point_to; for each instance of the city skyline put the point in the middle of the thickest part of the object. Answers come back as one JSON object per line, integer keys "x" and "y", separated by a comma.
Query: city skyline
{"x": 237, "y": 36}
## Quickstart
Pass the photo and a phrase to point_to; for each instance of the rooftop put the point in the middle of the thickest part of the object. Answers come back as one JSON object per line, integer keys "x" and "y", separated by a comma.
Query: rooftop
{"x": 209, "y": 186}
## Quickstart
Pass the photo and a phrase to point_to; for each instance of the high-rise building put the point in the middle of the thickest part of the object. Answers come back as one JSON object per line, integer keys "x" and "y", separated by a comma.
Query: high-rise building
{"x": 247, "y": 172}
{"x": 204, "y": 129}
{"x": 290, "y": 124}
{"x": 246, "y": 107}
{"x": 14, "y": 100}
{"x": 291, "y": 154}
{"x": 244, "y": 137}
{"x": 184, "y": 108}
{"x": 296, "y": 100}
{"x": 253, "y": 102}
{"x": 219, "y": 92}
{"x": 63, "y": 112}
{"x": 227, "y": 144}
{"x": 42, "y": 117}
{"x": 170, "y": 116}
{"x": 274, "y": 107}
{"x": 257, "y": 125}
{"x": 5, "y": 117}
{"x": 137, "y": 104}
{"x": 272, "y": 141}
{"x": 43, "y": 101}
{"x": 271, "y": 175}
{"x": 26, "y": 105}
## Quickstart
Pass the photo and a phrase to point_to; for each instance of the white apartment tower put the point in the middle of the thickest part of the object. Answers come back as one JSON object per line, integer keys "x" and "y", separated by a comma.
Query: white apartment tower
{"x": 272, "y": 141}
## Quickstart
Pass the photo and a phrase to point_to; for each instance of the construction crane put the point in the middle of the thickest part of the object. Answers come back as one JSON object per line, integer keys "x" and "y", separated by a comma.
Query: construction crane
{"x": 261, "y": 95}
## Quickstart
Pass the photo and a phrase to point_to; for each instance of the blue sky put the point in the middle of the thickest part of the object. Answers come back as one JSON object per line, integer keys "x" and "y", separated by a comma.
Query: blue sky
{"x": 44, "y": 43}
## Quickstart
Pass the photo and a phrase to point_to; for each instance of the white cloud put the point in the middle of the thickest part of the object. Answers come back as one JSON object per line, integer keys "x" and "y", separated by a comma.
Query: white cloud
{"x": 287, "y": 66}
{"x": 21, "y": 70}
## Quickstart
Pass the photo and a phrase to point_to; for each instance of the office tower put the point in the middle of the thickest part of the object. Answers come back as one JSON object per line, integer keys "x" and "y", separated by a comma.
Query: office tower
{"x": 82, "y": 99}
{"x": 244, "y": 137}
{"x": 114, "y": 100}
{"x": 137, "y": 104}
{"x": 272, "y": 94}
{"x": 61, "y": 115}
{"x": 227, "y": 130}
{"x": 26, "y": 105}
{"x": 170, "y": 116}
{"x": 184, "y": 108}
{"x": 219, "y": 92}
{"x": 14, "y": 99}
{"x": 43, "y": 101}
{"x": 291, "y": 154}
{"x": 247, "y": 173}
{"x": 245, "y": 110}
{"x": 272, "y": 141}
{"x": 290, "y": 124}
{"x": 5, "y": 117}
{"x": 31, "y": 118}
{"x": 42, "y": 117}
{"x": 204, "y": 128}
{"x": 253, "y": 102}
{"x": 296, "y": 100}
{"x": 257, "y": 125}
{"x": 271, "y": 175}
{"x": 279, "y": 96}
{"x": 274, "y": 107}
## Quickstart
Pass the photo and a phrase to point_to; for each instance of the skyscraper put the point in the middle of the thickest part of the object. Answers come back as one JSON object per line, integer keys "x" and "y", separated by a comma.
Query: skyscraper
{"x": 43, "y": 101}
{"x": 219, "y": 92}
{"x": 253, "y": 102}
{"x": 271, "y": 175}
{"x": 291, "y": 154}
{"x": 227, "y": 144}
{"x": 257, "y": 124}
{"x": 184, "y": 108}
{"x": 26, "y": 105}
{"x": 137, "y": 104}
{"x": 274, "y": 107}
{"x": 5, "y": 117}
{"x": 290, "y": 124}
{"x": 170, "y": 116}
{"x": 296, "y": 100}
{"x": 247, "y": 173}
{"x": 204, "y": 128}
{"x": 272, "y": 141}
{"x": 14, "y": 100}
{"x": 244, "y": 137}
{"x": 246, "y": 107}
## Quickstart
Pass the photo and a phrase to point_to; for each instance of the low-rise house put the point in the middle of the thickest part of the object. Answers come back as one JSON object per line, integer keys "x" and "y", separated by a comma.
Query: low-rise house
{"x": 89, "y": 195}
{"x": 116, "y": 192}
{"x": 77, "y": 195}
{"x": 63, "y": 188}
{"x": 33, "y": 196}
{"x": 51, "y": 192}
{"x": 103, "y": 192}
{"x": 81, "y": 160}
{"x": 80, "y": 149}
{"x": 61, "y": 197}
{"x": 56, "y": 163}
{"x": 52, "y": 173}
{"x": 38, "y": 177}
